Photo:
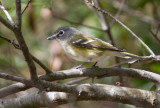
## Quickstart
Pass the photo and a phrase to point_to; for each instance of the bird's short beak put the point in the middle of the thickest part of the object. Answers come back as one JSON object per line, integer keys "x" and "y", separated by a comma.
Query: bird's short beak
{"x": 52, "y": 37}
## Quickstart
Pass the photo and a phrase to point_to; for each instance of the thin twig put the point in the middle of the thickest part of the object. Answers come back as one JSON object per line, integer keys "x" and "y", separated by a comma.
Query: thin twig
{"x": 14, "y": 78}
{"x": 34, "y": 58}
{"x": 7, "y": 14}
{"x": 119, "y": 11}
{"x": 155, "y": 12}
{"x": 158, "y": 28}
{"x": 129, "y": 30}
{"x": 156, "y": 33}
{"x": 77, "y": 23}
{"x": 130, "y": 11}
{"x": 125, "y": 62}
{"x": 8, "y": 25}
{"x": 48, "y": 71}
{"x": 18, "y": 14}
{"x": 26, "y": 6}
{"x": 156, "y": 18}
{"x": 104, "y": 24}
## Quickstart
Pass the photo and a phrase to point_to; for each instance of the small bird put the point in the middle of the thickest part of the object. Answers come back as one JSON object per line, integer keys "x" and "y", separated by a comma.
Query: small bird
{"x": 83, "y": 47}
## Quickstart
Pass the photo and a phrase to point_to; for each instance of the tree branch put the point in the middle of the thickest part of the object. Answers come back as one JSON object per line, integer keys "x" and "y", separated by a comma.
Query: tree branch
{"x": 22, "y": 43}
{"x": 89, "y": 72}
{"x": 28, "y": 58}
{"x": 14, "y": 88}
{"x": 18, "y": 14}
{"x": 3, "y": 21}
{"x": 83, "y": 92}
{"x": 14, "y": 78}
{"x": 18, "y": 87}
{"x": 102, "y": 72}
{"x": 113, "y": 93}
{"x": 26, "y": 6}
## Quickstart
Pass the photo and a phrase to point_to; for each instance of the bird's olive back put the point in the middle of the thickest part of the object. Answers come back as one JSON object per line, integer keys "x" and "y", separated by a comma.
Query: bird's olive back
{"x": 64, "y": 33}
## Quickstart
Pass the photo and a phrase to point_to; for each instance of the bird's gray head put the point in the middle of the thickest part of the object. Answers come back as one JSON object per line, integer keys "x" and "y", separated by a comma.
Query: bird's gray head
{"x": 63, "y": 33}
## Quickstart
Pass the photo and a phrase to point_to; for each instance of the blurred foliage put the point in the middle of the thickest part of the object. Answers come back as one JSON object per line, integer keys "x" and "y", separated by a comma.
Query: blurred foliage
{"x": 39, "y": 21}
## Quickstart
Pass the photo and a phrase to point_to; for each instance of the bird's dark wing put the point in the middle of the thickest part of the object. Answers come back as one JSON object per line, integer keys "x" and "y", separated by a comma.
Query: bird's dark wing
{"x": 92, "y": 42}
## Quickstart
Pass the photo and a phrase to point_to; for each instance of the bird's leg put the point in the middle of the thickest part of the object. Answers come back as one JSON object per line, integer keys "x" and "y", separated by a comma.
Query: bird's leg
{"x": 94, "y": 65}
{"x": 79, "y": 66}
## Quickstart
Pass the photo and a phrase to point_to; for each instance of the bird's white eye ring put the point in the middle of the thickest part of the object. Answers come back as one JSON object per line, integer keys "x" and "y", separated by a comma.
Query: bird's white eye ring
{"x": 61, "y": 32}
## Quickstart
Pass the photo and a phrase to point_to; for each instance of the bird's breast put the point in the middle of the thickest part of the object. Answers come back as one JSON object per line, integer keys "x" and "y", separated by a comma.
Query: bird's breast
{"x": 82, "y": 54}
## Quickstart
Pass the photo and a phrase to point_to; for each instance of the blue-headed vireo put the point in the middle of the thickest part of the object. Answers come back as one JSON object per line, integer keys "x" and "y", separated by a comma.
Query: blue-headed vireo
{"x": 83, "y": 47}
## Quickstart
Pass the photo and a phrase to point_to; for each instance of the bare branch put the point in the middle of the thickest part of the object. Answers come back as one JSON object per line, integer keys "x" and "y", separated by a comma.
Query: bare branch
{"x": 14, "y": 88}
{"x": 132, "y": 61}
{"x": 129, "y": 30}
{"x": 6, "y": 23}
{"x": 14, "y": 78}
{"x": 18, "y": 87}
{"x": 18, "y": 14}
{"x": 85, "y": 72}
{"x": 88, "y": 92}
{"x": 35, "y": 100}
{"x": 102, "y": 72}
{"x": 26, "y": 6}
{"x": 127, "y": 62}
{"x": 22, "y": 43}
{"x": 47, "y": 70}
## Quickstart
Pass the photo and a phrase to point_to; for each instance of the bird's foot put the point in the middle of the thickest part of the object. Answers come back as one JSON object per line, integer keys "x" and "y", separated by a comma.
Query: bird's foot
{"x": 79, "y": 66}
{"x": 94, "y": 65}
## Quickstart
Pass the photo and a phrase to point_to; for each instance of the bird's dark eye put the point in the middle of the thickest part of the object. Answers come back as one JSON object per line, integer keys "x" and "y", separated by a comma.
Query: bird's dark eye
{"x": 61, "y": 32}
